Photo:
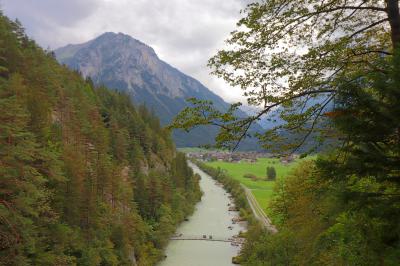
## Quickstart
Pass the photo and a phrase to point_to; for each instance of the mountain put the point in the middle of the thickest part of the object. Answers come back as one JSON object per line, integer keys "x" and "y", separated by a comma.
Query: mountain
{"x": 123, "y": 63}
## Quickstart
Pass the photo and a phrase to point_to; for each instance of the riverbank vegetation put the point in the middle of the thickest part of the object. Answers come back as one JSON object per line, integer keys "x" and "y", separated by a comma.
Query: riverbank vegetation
{"x": 86, "y": 178}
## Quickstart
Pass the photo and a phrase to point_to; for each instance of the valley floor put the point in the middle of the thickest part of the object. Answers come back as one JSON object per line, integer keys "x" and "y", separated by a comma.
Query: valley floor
{"x": 261, "y": 189}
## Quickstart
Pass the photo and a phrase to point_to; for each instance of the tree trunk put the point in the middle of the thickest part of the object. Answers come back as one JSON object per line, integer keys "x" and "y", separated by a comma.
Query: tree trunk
{"x": 394, "y": 20}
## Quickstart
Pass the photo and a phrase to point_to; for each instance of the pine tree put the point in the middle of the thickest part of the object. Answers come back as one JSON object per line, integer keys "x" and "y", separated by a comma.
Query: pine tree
{"x": 271, "y": 173}
{"x": 24, "y": 199}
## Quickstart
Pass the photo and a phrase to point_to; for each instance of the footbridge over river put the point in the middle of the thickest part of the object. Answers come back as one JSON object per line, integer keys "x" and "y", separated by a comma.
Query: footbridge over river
{"x": 207, "y": 238}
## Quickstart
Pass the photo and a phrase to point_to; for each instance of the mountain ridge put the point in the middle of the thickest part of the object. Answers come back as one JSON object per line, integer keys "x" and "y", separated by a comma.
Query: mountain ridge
{"x": 124, "y": 63}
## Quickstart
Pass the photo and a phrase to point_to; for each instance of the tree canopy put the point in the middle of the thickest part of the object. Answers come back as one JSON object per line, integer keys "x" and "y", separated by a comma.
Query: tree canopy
{"x": 343, "y": 208}
{"x": 288, "y": 57}
{"x": 329, "y": 69}
{"x": 271, "y": 173}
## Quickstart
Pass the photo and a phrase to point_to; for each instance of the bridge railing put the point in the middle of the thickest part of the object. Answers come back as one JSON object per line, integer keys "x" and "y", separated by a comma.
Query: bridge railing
{"x": 206, "y": 238}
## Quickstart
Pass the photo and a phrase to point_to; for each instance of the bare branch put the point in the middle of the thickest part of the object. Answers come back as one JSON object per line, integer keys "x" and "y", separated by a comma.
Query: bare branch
{"x": 247, "y": 123}
{"x": 368, "y": 27}
{"x": 372, "y": 51}
{"x": 312, "y": 126}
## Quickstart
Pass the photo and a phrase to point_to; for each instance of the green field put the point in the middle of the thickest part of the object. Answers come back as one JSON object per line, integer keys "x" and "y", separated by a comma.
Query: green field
{"x": 261, "y": 189}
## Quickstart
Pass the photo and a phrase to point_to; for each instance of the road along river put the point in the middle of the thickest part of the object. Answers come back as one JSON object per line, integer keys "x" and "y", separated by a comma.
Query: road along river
{"x": 205, "y": 240}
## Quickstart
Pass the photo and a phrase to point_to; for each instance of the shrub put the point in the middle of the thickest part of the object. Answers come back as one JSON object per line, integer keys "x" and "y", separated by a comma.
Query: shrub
{"x": 251, "y": 176}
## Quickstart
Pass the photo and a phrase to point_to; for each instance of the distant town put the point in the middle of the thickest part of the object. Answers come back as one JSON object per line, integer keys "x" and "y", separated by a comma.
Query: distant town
{"x": 226, "y": 156}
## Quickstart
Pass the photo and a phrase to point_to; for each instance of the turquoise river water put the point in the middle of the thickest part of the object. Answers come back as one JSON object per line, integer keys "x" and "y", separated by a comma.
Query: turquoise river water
{"x": 211, "y": 217}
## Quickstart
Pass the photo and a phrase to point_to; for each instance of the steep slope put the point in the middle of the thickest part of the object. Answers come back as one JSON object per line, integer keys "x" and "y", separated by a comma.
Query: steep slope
{"x": 86, "y": 178}
{"x": 123, "y": 63}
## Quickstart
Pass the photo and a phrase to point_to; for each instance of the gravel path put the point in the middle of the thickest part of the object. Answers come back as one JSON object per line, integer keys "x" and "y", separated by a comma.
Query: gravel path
{"x": 258, "y": 211}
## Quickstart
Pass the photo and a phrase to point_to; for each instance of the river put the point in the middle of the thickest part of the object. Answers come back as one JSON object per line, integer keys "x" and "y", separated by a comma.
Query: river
{"x": 211, "y": 217}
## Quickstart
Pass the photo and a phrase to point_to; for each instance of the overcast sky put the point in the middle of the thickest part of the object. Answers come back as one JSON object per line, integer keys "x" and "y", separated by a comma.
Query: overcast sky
{"x": 184, "y": 33}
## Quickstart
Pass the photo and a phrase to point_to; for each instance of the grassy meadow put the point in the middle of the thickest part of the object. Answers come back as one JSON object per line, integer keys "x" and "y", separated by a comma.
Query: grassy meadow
{"x": 261, "y": 189}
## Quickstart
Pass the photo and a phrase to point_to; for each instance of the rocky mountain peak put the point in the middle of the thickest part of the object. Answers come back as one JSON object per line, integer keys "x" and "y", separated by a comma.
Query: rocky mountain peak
{"x": 123, "y": 63}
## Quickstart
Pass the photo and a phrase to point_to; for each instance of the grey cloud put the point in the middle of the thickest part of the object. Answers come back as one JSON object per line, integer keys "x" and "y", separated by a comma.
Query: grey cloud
{"x": 185, "y": 33}
{"x": 43, "y": 19}
{"x": 62, "y": 13}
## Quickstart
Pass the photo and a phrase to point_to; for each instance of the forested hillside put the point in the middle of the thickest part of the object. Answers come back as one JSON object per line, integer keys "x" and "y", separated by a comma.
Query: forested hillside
{"x": 85, "y": 177}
